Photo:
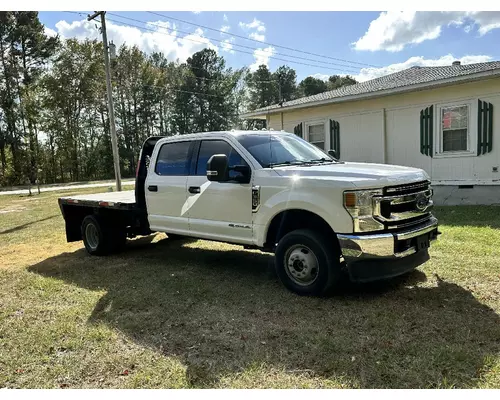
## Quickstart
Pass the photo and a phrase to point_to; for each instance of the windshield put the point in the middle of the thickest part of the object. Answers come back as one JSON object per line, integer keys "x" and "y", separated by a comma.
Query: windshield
{"x": 282, "y": 149}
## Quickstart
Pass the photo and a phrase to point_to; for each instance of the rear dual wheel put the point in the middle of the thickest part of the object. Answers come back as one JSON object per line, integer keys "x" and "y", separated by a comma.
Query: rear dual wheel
{"x": 100, "y": 238}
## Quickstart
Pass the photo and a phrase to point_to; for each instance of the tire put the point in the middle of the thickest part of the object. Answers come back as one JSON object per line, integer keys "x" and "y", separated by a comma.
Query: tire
{"x": 97, "y": 238}
{"x": 307, "y": 264}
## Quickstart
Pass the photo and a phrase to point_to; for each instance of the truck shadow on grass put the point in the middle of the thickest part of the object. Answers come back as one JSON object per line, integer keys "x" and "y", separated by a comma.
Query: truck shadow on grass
{"x": 221, "y": 313}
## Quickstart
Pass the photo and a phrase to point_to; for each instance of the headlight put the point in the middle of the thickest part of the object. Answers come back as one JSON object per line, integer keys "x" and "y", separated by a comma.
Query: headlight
{"x": 359, "y": 203}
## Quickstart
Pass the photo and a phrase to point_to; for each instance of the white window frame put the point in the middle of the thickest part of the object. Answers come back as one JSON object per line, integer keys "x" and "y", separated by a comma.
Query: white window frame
{"x": 471, "y": 130}
{"x": 326, "y": 141}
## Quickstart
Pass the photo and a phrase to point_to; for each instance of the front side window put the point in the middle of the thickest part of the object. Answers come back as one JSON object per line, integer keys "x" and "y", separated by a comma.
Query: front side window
{"x": 210, "y": 147}
{"x": 173, "y": 159}
{"x": 285, "y": 148}
{"x": 455, "y": 128}
{"x": 317, "y": 135}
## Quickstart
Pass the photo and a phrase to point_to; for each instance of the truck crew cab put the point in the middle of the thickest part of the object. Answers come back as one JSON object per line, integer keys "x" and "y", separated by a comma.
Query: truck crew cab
{"x": 324, "y": 219}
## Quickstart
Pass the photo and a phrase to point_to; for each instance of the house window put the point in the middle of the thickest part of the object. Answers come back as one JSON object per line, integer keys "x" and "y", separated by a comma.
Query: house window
{"x": 455, "y": 128}
{"x": 316, "y": 135}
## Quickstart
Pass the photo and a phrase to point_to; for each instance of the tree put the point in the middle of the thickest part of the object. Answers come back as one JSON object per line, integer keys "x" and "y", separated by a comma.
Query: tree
{"x": 337, "y": 81}
{"x": 262, "y": 88}
{"x": 9, "y": 135}
{"x": 206, "y": 100}
{"x": 286, "y": 80}
{"x": 311, "y": 86}
{"x": 74, "y": 101}
{"x": 31, "y": 49}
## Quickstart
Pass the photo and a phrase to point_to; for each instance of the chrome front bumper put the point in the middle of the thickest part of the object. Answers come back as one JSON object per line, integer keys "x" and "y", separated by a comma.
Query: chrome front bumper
{"x": 386, "y": 245}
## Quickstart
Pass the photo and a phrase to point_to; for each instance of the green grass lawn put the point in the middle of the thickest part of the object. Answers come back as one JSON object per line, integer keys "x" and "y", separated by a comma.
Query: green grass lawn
{"x": 180, "y": 314}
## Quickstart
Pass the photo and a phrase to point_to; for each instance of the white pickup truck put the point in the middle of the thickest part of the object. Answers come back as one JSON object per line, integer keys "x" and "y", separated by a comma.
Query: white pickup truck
{"x": 324, "y": 219}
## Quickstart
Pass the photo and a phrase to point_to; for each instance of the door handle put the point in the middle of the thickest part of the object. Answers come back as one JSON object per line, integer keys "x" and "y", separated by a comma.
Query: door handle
{"x": 194, "y": 189}
{"x": 153, "y": 188}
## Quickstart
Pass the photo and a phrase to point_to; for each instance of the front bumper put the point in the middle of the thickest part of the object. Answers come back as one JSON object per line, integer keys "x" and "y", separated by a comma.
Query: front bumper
{"x": 379, "y": 256}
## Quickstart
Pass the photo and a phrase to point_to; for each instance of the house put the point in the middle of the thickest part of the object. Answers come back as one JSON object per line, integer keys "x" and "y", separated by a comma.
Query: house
{"x": 445, "y": 120}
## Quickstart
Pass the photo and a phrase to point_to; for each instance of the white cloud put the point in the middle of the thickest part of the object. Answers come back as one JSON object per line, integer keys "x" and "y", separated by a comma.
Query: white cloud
{"x": 172, "y": 46}
{"x": 49, "y": 32}
{"x": 227, "y": 46}
{"x": 366, "y": 74}
{"x": 394, "y": 30}
{"x": 196, "y": 12}
{"x": 225, "y": 28}
{"x": 257, "y": 27}
{"x": 257, "y": 36}
{"x": 323, "y": 77}
{"x": 226, "y": 19}
{"x": 255, "y": 24}
{"x": 261, "y": 57}
{"x": 486, "y": 20}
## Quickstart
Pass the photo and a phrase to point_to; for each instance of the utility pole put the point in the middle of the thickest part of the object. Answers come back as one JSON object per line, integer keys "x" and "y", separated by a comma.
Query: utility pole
{"x": 114, "y": 141}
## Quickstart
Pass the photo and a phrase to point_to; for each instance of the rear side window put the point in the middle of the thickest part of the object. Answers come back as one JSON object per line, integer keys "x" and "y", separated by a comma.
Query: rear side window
{"x": 210, "y": 147}
{"x": 173, "y": 159}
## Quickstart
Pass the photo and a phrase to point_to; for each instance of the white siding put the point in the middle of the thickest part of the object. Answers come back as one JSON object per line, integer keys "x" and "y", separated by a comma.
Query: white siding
{"x": 403, "y": 139}
{"x": 362, "y": 137}
{"x": 403, "y": 136}
{"x": 363, "y": 124}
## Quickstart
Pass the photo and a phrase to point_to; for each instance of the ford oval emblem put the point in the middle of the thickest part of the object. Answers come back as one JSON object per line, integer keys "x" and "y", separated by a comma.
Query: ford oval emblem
{"x": 421, "y": 203}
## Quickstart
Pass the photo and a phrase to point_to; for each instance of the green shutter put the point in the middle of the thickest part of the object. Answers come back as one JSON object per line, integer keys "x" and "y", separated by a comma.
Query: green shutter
{"x": 430, "y": 123}
{"x": 335, "y": 137}
{"x": 298, "y": 130}
{"x": 484, "y": 127}
{"x": 427, "y": 131}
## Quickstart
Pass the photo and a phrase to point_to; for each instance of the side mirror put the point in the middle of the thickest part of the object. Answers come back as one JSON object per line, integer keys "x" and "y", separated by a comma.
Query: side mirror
{"x": 217, "y": 170}
{"x": 333, "y": 153}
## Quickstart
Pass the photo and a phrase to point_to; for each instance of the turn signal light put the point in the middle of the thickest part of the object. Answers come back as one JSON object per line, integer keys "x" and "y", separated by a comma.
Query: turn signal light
{"x": 350, "y": 199}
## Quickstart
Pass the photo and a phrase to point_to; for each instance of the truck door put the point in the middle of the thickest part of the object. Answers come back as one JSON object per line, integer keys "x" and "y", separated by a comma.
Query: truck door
{"x": 166, "y": 190}
{"x": 219, "y": 210}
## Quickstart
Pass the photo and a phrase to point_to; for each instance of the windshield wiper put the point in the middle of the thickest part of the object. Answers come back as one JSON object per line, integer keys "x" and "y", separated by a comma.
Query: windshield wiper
{"x": 322, "y": 160}
{"x": 270, "y": 165}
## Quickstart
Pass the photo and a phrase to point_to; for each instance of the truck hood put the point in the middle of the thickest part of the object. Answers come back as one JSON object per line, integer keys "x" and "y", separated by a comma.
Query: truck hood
{"x": 362, "y": 175}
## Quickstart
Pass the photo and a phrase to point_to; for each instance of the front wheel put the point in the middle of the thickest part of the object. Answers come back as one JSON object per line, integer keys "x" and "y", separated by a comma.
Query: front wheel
{"x": 307, "y": 263}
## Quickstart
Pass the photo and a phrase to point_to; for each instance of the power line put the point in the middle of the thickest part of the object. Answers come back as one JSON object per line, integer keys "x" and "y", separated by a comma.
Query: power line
{"x": 258, "y": 41}
{"x": 187, "y": 65}
{"x": 239, "y": 45}
{"x": 240, "y": 51}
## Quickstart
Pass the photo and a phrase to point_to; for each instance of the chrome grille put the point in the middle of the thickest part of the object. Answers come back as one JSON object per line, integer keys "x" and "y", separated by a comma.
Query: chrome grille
{"x": 404, "y": 205}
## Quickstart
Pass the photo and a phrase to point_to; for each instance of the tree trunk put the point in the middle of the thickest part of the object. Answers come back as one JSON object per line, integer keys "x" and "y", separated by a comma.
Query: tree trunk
{"x": 25, "y": 112}
{"x": 53, "y": 165}
{"x": 9, "y": 113}
{"x": 162, "y": 127}
{"x": 62, "y": 170}
{"x": 2, "y": 157}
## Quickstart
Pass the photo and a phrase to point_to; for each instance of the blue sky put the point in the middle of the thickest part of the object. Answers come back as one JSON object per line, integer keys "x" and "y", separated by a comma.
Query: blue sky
{"x": 372, "y": 43}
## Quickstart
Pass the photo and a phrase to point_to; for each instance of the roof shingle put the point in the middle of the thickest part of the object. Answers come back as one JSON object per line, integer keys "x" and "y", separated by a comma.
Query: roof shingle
{"x": 407, "y": 77}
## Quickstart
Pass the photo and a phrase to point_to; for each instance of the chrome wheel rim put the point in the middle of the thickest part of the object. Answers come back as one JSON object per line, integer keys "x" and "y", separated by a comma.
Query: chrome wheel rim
{"x": 301, "y": 265}
{"x": 92, "y": 236}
